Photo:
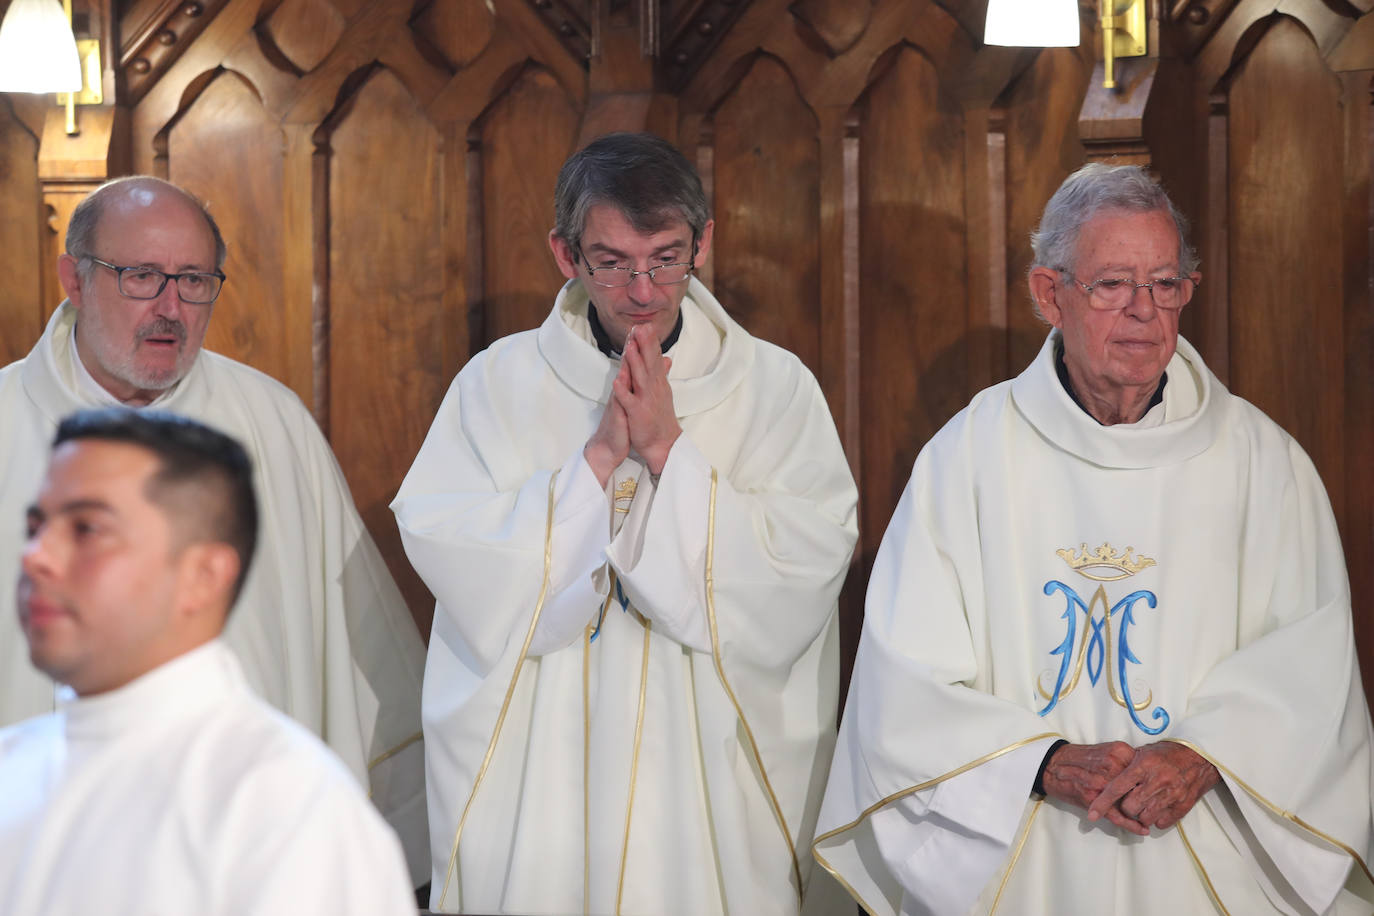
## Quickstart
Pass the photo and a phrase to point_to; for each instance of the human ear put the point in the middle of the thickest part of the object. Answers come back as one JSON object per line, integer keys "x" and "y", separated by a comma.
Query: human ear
{"x": 70, "y": 278}
{"x": 1044, "y": 289}
{"x": 564, "y": 255}
{"x": 209, "y": 570}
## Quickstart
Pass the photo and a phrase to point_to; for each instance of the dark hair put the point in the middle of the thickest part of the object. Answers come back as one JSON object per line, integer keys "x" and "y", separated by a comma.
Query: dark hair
{"x": 85, "y": 219}
{"x": 195, "y": 462}
{"x": 643, "y": 176}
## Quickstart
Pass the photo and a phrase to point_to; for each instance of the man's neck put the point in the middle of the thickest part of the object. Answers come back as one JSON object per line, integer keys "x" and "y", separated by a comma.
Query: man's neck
{"x": 1130, "y": 407}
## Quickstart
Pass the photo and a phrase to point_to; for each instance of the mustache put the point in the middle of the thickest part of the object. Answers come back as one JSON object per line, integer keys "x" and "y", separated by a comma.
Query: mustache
{"x": 163, "y": 327}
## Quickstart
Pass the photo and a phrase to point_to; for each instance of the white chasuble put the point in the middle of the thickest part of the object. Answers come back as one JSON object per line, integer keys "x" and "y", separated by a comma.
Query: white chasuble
{"x": 1046, "y": 577}
{"x": 323, "y": 633}
{"x": 630, "y": 693}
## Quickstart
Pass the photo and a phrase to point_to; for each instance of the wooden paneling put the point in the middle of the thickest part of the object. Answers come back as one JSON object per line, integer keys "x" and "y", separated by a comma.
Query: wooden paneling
{"x": 1286, "y": 274}
{"x": 1042, "y": 149}
{"x": 767, "y": 191}
{"x": 224, "y": 132}
{"x": 912, "y": 275}
{"x": 524, "y": 139}
{"x": 386, "y": 287}
{"x": 22, "y": 224}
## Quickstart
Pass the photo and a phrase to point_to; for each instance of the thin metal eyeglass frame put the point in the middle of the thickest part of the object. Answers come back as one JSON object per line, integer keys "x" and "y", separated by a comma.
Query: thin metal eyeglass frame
{"x": 591, "y": 271}
{"x": 119, "y": 280}
{"x": 1090, "y": 288}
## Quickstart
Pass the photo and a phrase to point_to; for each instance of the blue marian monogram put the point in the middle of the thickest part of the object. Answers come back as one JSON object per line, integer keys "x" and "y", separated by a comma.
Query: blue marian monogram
{"x": 1092, "y": 643}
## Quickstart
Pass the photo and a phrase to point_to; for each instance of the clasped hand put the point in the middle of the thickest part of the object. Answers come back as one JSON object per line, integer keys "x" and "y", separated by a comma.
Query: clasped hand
{"x": 1134, "y": 788}
{"x": 639, "y": 414}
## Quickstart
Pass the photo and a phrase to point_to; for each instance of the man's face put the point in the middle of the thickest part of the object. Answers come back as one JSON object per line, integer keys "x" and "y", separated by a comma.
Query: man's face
{"x": 1128, "y": 347}
{"x": 99, "y": 576}
{"x": 609, "y": 240}
{"x": 138, "y": 348}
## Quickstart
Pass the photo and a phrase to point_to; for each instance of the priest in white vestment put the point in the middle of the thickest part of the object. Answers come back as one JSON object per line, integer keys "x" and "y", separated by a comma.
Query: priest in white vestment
{"x": 1107, "y": 662}
{"x": 162, "y": 784}
{"x": 322, "y": 631}
{"x": 636, "y": 520}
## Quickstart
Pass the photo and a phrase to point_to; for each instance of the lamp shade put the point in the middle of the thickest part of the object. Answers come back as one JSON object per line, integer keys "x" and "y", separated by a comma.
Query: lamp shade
{"x": 37, "y": 49}
{"x": 1032, "y": 23}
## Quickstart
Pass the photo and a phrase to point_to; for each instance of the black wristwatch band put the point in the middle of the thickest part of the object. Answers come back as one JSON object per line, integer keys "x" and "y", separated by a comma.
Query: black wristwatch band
{"x": 1038, "y": 787}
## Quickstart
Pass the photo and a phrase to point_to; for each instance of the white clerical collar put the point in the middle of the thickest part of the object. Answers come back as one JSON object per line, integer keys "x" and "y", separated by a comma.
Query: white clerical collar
{"x": 192, "y": 681}
{"x": 1194, "y": 406}
{"x": 90, "y": 390}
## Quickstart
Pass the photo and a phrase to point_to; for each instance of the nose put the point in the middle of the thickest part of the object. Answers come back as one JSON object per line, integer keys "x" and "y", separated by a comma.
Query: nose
{"x": 37, "y": 561}
{"x": 168, "y": 303}
{"x": 1142, "y": 304}
{"x": 641, "y": 288}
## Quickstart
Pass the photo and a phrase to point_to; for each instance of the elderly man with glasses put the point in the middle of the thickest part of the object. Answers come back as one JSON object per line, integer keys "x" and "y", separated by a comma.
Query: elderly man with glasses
{"x": 322, "y": 630}
{"x": 635, "y": 520}
{"x": 1107, "y": 663}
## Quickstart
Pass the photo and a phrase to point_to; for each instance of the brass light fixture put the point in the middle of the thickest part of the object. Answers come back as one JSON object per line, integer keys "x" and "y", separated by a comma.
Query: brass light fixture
{"x": 1054, "y": 23}
{"x": 1123, "y": 35}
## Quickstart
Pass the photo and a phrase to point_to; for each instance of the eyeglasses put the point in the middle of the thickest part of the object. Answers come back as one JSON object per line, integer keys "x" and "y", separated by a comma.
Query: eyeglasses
{"x": 1111, "y": 293}
{"x": 148, "y": 283}
{"x": 617, "y": 277}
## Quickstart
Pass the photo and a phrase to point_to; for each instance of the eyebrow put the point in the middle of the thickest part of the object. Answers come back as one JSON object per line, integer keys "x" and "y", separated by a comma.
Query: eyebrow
{"x": 599, "y": 248}
{"x": 36, "y": 514}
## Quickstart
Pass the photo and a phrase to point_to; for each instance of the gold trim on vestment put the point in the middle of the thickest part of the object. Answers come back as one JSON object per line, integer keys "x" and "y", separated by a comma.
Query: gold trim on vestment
{"x": 1202, "y": 871}
{"x": 510, "y": 691}
{"x": 1286, "y": 815}
{"x": 634, "y": 763}
{"x": 897, "y": 796}
{"x": 1016, "y": 855}
{"x": 387, "y": 755}
{"x": 587, "y": 769}
{"x": 720, "y": 672}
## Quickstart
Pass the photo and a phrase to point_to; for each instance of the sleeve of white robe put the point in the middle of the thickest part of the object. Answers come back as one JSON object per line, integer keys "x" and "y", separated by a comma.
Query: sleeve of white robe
{"x": 479, "y": 546}
{"x": 325, "y": 850}
{"x": 1292, "y": 737}
{"x": 784, "y": 529}
{"x": 908, "y": 724}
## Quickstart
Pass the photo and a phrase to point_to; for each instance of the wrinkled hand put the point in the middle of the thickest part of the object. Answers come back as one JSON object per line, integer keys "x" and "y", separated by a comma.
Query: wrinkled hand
{"x": 1077, "y": 774}
{"x": 610, "y": 443}
{"x": 1161, "y": 785}
{"x": 647, "y": 398}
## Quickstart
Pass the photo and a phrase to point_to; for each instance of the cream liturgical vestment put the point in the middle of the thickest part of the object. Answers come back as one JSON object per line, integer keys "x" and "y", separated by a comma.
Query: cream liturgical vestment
{"x": 630, "y": 693}
{"x": 322, "y": 630}
{"x": 182, "y": 792}
{"x": 1178, "y": 579}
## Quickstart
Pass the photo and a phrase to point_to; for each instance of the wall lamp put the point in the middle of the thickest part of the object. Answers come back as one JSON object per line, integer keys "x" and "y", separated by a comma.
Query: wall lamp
{"x": 40, "y": 54}
{"x": 1054, "y": 24}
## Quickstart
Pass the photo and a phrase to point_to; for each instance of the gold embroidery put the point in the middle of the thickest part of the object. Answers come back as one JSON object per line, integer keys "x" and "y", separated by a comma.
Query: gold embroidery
{"x": 587, "y": 766}
{"x": 510, "y": 691}
{"x": 896, "y": 796}
{"x": 1117, "y": 565}
{"x": 720, "y": 672}
{"x": 634, "y": 763}
{"x": 1202, "y": 872}
{"x": 1286, "y": 815}
{"x": 387, "y": 755}
{"x": 1015, "y": 855}
{"x": 625, "y": 490}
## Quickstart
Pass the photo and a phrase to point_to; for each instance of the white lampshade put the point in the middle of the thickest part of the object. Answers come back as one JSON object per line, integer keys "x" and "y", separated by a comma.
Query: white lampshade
{"x": 37, "y": 49}
{"x": 1032, "y": 23}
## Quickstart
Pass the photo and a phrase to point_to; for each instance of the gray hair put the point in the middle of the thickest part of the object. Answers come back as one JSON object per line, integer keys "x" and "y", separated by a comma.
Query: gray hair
{"x": 1092, "y": 189}
{"x": 85, "y": 221}
{"x": 643, "y": 176}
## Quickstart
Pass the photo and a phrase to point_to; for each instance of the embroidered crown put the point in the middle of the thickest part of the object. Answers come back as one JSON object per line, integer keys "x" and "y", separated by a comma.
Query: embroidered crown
{"x": 1104, "y": 564}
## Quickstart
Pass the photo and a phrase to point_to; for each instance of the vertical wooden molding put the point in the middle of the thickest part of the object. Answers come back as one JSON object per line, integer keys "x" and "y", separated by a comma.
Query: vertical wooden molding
{"x": 319, "y": 300}
{"x": 1216, "y": 320}
{"x": 1000, "y": 357}
{"x": 852, "y": 328}
{"x": 475, "y": 284}
{"x": 298, "y": 265}
{"x": 456, "y": 240}
{"x": 706, "y": 168}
